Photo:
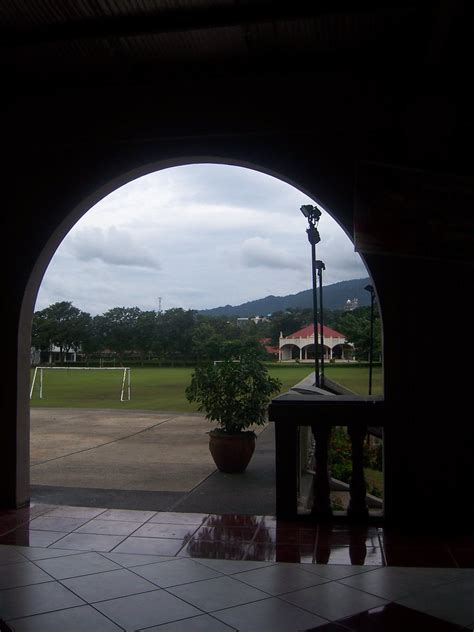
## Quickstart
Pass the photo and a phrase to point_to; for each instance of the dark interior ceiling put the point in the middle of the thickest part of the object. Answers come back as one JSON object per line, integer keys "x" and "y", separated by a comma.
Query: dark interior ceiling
{"x": 384, "y": 81}
{"x": 139, "y": 40}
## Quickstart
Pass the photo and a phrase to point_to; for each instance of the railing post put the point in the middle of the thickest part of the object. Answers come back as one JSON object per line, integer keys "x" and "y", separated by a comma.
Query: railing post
{"x": 358, "y": 545}
{"x": 286, "y": 470}
{"x": 321, "y": 502}
{"x": 321, "y": 412}
{"x": 357, "y": 506}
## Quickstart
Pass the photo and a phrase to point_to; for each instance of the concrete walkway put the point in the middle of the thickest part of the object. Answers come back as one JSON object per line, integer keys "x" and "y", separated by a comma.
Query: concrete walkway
{"x": 145, "y": 460}
{"x": 119, "y": 449}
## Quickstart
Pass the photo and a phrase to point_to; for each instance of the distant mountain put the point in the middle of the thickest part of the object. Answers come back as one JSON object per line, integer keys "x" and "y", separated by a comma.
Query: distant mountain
{"x": 335, "y": 296}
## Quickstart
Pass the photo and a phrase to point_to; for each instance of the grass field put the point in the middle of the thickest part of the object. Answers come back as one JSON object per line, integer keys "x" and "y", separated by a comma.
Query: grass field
{"x": 163, "y": 388}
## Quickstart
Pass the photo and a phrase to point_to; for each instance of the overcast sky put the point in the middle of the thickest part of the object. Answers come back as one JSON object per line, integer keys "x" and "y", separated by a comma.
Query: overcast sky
{"x": 198, "y": 236}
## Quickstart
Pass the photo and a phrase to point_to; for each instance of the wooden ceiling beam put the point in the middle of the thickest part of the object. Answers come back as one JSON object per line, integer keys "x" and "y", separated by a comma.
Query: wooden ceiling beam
{"x": 183, "y": 20}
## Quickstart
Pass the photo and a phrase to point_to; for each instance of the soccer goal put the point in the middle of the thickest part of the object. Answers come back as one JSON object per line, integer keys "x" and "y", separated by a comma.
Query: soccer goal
{"x": 125, "y": 390}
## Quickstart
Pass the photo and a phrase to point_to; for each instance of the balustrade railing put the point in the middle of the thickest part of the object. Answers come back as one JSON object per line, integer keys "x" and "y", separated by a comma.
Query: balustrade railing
{"x": 321, "y": 411}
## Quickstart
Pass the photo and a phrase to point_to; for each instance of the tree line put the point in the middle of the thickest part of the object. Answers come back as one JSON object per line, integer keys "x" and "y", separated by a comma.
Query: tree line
{"x": 178, "y": 334}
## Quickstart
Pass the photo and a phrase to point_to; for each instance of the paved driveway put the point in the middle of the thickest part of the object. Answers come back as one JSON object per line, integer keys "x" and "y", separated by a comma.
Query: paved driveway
{"x": 113, "y": 449}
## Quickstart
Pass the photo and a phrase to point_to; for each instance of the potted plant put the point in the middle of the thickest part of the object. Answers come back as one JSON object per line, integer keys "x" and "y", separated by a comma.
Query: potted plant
{"x": 235, "y": 394}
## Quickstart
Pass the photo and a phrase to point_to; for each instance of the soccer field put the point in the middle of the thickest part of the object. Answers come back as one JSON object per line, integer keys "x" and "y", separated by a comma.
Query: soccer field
{"x": 164, "y": 388}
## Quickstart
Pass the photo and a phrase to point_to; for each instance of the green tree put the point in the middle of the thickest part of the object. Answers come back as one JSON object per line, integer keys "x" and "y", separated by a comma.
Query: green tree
{"x": 174, "y": 336}
{"x": 60, "y": 325}
{"x": 146, "y": 332}
{"x": 93, "y": 341}
{"x": 117, "y": 330}
{"x": 355, "y": 325}
{"x": 288, "y": 322}
{"x": 207, "y": 342}
{"x": 219, "y": 339}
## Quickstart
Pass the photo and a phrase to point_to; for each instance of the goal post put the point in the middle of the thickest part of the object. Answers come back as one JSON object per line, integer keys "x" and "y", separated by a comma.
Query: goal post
{"x": 125, "y": 390}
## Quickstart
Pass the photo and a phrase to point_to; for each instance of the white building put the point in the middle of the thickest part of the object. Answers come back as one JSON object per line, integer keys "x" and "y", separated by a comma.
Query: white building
{"x": 300, "y": 345}
{"x": 351, "y": 304}
{"x": 255, "y": 319}
{"x": 53, "y": 355}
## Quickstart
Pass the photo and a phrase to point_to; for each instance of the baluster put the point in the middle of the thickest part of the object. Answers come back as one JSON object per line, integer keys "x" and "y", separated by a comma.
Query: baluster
{"x": 286, "y": 471}
{"x": 357, "y": 506}
{"x": 358, "y": 545}
{"x": 321, "y": 502}
{"x": 323, "y": 544}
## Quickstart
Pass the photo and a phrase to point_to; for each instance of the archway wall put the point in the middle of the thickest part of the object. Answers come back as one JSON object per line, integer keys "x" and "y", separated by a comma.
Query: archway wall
{"x": 68, "y": 149}
{"x": 63, "y": 184}
{"x": 289, "y": 352}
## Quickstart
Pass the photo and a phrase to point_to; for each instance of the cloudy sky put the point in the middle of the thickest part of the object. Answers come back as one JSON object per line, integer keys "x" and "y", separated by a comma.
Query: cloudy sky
{"x": 198, "y": 236}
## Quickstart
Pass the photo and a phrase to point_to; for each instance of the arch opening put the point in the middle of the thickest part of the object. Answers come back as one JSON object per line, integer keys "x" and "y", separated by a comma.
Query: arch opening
{"x": 79, "y": 211}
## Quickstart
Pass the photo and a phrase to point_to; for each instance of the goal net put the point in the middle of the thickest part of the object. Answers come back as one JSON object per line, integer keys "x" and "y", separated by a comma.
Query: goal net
{"x": 76, "y": 381}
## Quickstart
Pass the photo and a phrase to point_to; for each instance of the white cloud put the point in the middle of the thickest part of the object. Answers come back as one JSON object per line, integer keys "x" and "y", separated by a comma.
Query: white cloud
{"x": 113, "y": 246}
{"x": 260, "y": 252}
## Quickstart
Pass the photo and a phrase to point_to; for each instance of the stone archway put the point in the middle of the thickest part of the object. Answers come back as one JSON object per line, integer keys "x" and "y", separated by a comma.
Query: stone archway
{"x": 289, "y": 352}
{"x": 58, "y": 229}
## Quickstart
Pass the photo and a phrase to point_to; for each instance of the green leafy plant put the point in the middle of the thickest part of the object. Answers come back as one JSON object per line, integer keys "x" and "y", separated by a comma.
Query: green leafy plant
{"x": 233, "y": 393}
{"x": 340, "y": 460}
{"x": 373, "y": 455}
{"x": 340, "y": 455}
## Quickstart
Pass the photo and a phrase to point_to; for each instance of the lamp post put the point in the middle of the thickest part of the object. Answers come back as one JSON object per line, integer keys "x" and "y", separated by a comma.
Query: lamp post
{"x": 370, "y": 289}
{"x": 313, "y": 214}
{"x": 320, "y": 267}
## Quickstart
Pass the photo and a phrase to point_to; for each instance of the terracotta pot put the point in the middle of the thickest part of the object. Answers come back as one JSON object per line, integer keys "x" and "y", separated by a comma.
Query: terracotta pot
{"x": 231, "y": 453}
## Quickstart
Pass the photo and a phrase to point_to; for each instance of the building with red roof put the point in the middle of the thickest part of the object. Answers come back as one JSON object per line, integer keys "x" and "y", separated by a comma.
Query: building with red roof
{"x": 300, "y": 344}
{"x": 269, "y": 348}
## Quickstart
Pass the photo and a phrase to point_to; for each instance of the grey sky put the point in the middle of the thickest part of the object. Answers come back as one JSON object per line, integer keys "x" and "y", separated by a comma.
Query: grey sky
{"x": 197, "y": 236}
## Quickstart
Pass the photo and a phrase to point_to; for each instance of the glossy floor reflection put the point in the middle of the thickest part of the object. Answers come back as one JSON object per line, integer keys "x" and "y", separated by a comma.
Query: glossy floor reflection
{"x": 81, "y": 568}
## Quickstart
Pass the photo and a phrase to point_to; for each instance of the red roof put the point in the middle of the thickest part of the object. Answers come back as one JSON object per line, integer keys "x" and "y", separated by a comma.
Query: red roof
{"x": 268, "y": 347}
{"x": 308, "y": 332}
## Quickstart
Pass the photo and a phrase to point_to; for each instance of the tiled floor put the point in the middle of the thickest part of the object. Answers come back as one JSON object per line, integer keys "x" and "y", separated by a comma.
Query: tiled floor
{"x": 79, "y": 568}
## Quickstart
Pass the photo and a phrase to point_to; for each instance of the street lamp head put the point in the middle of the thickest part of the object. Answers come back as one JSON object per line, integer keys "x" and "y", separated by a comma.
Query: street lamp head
{"x": 369, "y": 288}
{"x": 313, "y": 235}
{"x": 319, "y": 265}
{"x": 312, "y": 213}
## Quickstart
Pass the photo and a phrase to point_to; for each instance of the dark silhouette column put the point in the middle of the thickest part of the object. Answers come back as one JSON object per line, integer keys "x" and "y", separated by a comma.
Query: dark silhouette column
{"x": 321, "y": 503}
{"x": 357, "y": 506}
